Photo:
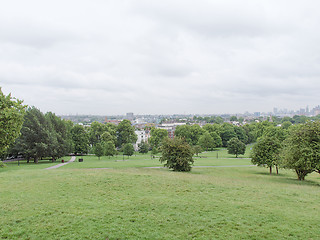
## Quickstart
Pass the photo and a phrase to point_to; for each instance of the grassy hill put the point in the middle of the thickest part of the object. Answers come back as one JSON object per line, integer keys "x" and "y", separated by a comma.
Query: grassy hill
{"x": 78, "y": 201}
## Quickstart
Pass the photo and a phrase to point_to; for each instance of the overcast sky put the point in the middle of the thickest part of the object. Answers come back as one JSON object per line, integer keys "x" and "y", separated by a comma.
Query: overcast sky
{"x": 161, "y": 57}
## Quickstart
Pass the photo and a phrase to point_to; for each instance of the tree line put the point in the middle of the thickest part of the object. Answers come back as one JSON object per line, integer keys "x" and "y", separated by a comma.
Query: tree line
{"x": 48, "y": 136}
{"x": 27, "y": 132}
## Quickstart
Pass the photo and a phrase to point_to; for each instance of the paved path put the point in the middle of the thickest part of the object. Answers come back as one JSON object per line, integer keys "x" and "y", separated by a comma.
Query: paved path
{"x": 62, "y": 164}
{"x": 213, "y": 166}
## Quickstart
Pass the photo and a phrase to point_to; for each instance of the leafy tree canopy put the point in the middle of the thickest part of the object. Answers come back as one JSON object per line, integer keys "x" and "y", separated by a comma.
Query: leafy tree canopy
{"x": 176, "y": 154}
{"x": 11, "y": 119}
{"x": 236, "y": 147}
{"x": 266, "y": 152}
{"x": 301, "y": 150}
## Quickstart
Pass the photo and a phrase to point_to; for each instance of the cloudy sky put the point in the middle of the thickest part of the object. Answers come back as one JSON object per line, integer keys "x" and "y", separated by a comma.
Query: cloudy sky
{"x": 110, "y": 57}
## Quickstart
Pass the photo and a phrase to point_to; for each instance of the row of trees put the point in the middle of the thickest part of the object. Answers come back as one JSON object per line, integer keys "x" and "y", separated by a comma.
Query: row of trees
{"x": 295, "y": 148}
{"x": 11, "y": 119}
{"x": 46, "y": 135}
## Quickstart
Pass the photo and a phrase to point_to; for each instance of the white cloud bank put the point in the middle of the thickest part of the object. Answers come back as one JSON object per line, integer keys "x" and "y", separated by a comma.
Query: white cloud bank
{"x": 113, "y": 57}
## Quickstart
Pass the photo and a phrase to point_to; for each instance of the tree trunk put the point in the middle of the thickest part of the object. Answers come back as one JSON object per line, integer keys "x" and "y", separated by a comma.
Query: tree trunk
{"x": 36, "y": 160}
{"x": 301, "y": 174}
{"x": 277, "y": 169}
{"x": 270, "y": 169}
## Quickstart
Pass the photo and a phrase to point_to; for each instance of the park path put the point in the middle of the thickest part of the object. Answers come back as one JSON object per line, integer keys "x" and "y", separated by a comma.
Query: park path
{"x": 213, "y": 166}
{"x": 62, "y": 164}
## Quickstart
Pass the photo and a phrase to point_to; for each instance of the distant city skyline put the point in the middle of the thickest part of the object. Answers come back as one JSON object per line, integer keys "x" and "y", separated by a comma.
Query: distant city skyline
{"x": 194, "y": 57}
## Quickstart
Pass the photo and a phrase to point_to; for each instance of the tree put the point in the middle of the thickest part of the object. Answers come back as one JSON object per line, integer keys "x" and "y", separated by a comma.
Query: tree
{"x": 11, "y": 119}
{"x": 106, "y": 137}
{"x": 99, "y": 149}
{"x": 157, "y": 136}
{"x": 240, "y": 134}
{"x": 143, "y": 147}
{"x": 227, "y": 132}
{"x": 197, "y": 149}
{"x": 236, "y": 147}
{"x": 216, "y": 139}
{"x": 206, "y": 141}
{"x": 195, "y": 133}
{"x": 58, "y": 143}
{"x": 301, "y": 150}
{"x": 80, "y": 139}
{"x": 128, "y": 149}
{"x": 125, "y": 133}
{"x": 95, "y": 131}
{"x": 110, "y": 149}
{"x": 177, "y": 154}
{"x": 35, "y": 136}
{"x": 233, "y": 119}
{"x": 266, "y": 152}
{"x": 286, "y": 124}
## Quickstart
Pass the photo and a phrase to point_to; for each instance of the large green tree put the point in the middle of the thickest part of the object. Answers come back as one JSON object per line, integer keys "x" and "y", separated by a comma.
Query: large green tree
{"x": 80, "y": 139}
{"x": 236, "y": 147}
{"x": 227, "y": 132}
{"x": 157, "y": 136}
{"x": 125, "y": 133}
{"x": 58, "y": 142}
{"x": 110, "y": 149}
{"x": 11, "y": 119}
{"x": 143, "y": 147}
{"x": 177, "y": 154}
{"x": 35, "y": 136}
{"x": 99, "y": 149}
{"x": 128, "y": 149}
{"x": 206, "y": 141}
{"x": 301, "y": 150}
{"x": 266, "y": 152}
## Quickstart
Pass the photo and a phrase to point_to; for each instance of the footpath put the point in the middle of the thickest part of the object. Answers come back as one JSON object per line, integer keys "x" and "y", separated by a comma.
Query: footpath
{"x": 62, "y": 164}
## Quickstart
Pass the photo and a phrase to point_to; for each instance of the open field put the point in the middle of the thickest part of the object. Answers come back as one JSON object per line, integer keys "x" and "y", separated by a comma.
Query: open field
{"x": 129, "y": 202}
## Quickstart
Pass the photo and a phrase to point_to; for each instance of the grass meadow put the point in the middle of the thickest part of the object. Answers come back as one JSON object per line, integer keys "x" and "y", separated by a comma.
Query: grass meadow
{"x": 116, "y": 199}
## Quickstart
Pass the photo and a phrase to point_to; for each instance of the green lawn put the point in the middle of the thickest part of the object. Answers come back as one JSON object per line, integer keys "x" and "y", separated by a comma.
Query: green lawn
{"x": 130, "y": 202}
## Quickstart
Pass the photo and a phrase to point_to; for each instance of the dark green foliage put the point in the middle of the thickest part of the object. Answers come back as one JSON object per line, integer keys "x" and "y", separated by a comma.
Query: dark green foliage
{"x": 128, "y": 149}
{"x": 233, "y": 119}
{"x": 125, "y": 133}
{"x": 176, "y": 154}
{"x": 241, "y": 134}
{"x": 95, "y": 131}
{"x": 250, "y": 132}
{"x": 216, "y": 139}
{"x": 110, "y": 149}
{"x": 35, "y": 136}
{"x": 59, "y": 138}
{"x": 191, "y": 133}
{"x": 206, "y": 141}
{"x": 277, "y": 132}
{"x": 301, "y": 150}
{"x": 266, "y": 152}
{"x": 11, "y": 120}
{"x": 99, "y": 149}
{"x": 227, "y": 132}
{"x": 197, "y": 149}
{"x": 157, "y": 136}
{"x": 236, "y": 147}
{"x": 143, "y": 147}
{"x": 80, "y": 139}
{"x": 286, "y": 125}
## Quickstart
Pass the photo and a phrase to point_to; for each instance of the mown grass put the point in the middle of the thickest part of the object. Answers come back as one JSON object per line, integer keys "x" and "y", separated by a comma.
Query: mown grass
{"x": 140, "y": 203}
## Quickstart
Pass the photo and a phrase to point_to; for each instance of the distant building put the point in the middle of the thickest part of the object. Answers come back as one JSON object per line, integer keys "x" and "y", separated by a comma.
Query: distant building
{"x": 142, "y": 136}
{"x": 130, "y": 116}
{"x": 116, "y": 122}
{"x": 257, "y": 114}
